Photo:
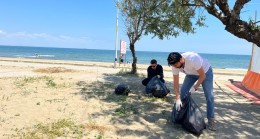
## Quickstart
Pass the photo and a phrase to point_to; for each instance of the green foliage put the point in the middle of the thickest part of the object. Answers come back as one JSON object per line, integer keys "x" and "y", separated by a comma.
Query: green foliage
{"x": 163, "y": 18}
{"x": 20, "y": 82}
{"x": 61, "y": 128}
{"x": 99, "y": 136}
{"x": 126, "y": 108}
{"x": 253, "y": 24}
{"x": 24, "y": 81}
{"x": 51, "y": 84}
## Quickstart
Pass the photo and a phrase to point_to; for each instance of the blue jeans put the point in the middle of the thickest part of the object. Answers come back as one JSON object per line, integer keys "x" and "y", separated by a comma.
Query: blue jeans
{"x": 207, "y": 86}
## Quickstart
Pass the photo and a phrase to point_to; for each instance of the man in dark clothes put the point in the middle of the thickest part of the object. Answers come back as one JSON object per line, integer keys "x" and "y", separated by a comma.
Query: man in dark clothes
{"x": 154, "y": 70}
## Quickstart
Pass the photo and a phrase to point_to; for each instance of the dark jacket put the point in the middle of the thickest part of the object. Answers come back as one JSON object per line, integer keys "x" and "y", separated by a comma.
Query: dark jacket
{"x": 158, "y": 71}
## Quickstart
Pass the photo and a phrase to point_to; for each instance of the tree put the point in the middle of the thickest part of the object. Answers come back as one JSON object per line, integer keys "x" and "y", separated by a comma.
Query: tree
{"x": 248, "y": 30}
{"x": 162, "y": 18}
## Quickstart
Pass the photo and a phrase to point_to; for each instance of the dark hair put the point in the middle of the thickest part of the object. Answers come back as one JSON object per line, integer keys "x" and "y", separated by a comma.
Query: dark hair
{"x": 153, "y": 61}
{"x": 173, "y": 58}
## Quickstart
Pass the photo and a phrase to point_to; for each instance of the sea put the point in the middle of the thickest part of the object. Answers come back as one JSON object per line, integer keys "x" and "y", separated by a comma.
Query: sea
{"x": 222, "y": 61}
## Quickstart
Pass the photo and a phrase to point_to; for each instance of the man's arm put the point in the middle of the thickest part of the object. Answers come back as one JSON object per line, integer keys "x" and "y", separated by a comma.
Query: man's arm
{"x": 160, "y": 72}
{"x": 149, "y": 72}
{"x": 176, "y": 86}
{"x": 202, "y": 77}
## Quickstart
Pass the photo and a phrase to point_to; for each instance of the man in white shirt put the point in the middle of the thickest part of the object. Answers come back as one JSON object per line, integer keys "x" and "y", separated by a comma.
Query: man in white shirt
{"x": 197, "y": 70}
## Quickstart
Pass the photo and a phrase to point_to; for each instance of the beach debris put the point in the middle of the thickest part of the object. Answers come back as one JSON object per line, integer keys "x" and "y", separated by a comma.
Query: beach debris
{"x": 122, "y": 89}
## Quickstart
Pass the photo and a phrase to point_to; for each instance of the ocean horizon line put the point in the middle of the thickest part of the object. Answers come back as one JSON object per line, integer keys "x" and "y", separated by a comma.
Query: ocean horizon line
{"x": 99, "y": 55}
{"x": 78, "y": 48}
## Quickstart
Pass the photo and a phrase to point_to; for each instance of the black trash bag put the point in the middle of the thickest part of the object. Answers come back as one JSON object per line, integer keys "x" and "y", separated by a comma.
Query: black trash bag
{"x": 122, "y": 89}
{"x": 189, "y": 116}
{"x": 178, "y": 116}
{"x": 157, "y": 88}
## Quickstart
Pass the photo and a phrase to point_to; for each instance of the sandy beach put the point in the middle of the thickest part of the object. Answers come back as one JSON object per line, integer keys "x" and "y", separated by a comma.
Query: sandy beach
{"x": 75, "y": 99}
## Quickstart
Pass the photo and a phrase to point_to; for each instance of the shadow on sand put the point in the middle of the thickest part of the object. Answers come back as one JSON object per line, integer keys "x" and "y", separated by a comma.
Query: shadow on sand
{"x": 153, "y": 115}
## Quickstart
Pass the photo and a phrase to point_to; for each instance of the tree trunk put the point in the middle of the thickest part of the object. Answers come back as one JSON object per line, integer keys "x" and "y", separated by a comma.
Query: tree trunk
{"x": 132, "y": 48}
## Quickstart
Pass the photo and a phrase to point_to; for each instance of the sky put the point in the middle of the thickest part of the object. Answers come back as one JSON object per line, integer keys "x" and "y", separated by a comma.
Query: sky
{"x": 91, "y": 24}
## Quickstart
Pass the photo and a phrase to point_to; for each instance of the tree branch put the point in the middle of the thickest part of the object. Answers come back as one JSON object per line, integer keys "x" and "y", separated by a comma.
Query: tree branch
{"x": 237, "y": 8}
{"x": 213, "y": 11}
{"x": 231, "y": 18}
{"x": 224, "y": 7}
{"x": 244, "y": 30}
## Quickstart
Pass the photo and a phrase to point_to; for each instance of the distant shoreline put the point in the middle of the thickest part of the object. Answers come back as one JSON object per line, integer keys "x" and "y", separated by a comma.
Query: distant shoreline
{"x": 141, "y": 67}
{"x": 112, "y": 50}
{"x": 71, "y": 54}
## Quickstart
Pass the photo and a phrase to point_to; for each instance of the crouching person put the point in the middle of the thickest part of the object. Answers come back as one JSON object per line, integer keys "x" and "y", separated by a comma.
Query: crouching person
{"x": 154, "y": 70}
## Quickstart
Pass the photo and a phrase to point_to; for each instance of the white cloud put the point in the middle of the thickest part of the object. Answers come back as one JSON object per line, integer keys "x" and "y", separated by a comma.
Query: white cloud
{"x": 48, "y": 40}
{"x": 2, "y": 32}
{"x": 40, "y": 35}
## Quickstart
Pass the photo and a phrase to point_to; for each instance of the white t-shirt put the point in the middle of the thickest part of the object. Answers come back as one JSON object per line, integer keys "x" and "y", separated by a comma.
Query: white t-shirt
{"x": 193, "y": 62}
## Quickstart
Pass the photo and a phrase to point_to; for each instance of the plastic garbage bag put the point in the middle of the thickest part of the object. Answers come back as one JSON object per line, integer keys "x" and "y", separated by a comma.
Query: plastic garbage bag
{"x": 189, "y": 116}
{"x": 178, "y": 116}
{"x": 122, "y": 89}
{"x": 157, "y": 88}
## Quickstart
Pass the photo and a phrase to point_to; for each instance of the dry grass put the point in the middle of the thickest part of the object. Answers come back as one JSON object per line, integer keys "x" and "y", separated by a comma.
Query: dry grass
{"x": 61, "y": 128}
{"x": 93, "y": 126}
{"x": 53, "y": 70}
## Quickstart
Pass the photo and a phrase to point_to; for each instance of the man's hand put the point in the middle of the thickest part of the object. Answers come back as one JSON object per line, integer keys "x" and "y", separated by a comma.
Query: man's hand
{"x": 158, "y": 76}
{"x": 193, "y": 90}
{"x": 178, "y": 104}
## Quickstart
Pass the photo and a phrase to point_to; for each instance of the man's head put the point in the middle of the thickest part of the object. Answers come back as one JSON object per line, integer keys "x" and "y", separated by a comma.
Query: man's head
{"x": 153, "y": 63}
{"x": 175, "y": 59}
